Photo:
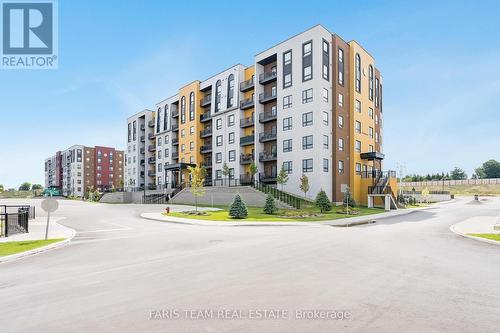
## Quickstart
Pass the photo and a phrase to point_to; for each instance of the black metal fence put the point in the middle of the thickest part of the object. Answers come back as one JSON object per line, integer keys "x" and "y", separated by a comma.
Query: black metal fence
{"x": 14, "y": 219}
{"x": 287, "y": 198}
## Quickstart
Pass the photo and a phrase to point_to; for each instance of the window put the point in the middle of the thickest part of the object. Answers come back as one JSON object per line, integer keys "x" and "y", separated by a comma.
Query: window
{"x": 166, "y": 139}
{"x": 159, "y": 154}
{"x": 183, "y": 148}
{"x": 231, "y": 173}
{"x": 325, "y": 118}
{"x": 183, "y": 110}
{"x": 341, "y": 66}
{"x": 307, "y": 165}
{"x": 370, "y": 82}
{"x": 358, "y": 168}
{"x": 376, "y": 137}
{"x": 287, "y": 145}
{"x": 307, "y": 119}
{"x": 307, "y": 96}
{"x": 370, "y": 132}
{"x": 357, "y": 146}
{"x": 218, "y": 123}
{"x": 158, "y": 118}
{"x": 230, "y": 91}
{"x": 129, "y": 132}
{"x": 287, "y": 69}
{"x": 287, "y": 124}
{"x": 287, "y": 166}
{"x": 166, "y": 152}
{"x": 191, "y": 130}
{"x": 325, "y": 165}
{"x": 165, "y": 118}
{"x": 218, "y": 158}
{"x": 191, "y": 160}
{"x": 341, "y": 121}
{"x": 232, "y": 155}
{"x": 159, "y": 167}
{"x": 326, "y": 141}
{"x": 218, "y": 140}
{"x": 287, "y": 102}
{"x": 307, "y": 61}
{"x": 377, "y": 92}
{"x": 371, "y": 149}
{"x": 370, "y": 113}
{"x": 358, "y": 72}
{"x": 218, "y": 92}
{"x": 325, "y": 94}
{"x": 183, "y": 133}
{"x": 357, "y": 126}
{"x": 191, "y": 106}
{"x": 230, "y": 120}
{"x": 231, "y": 137}
{"x": 159, "y": 141}
{"x": 357, "y": 106}
{"x": 191, "y": 145}
{"x": 341, "y": 144}
{"x": 218, "y": 174}
{"x": 307, "y": 142}
{"x": 341, "y": 100}
{"x": 341, "y": 166}
{"x": 326, "y": 60}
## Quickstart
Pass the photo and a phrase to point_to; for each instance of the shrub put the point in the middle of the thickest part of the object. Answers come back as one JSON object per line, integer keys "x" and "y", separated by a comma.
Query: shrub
{"x": 322, "y": 202}
{"x": 270, "y": 207}
{"x": 352, "y": 202}
{"x": 238, "y": 209}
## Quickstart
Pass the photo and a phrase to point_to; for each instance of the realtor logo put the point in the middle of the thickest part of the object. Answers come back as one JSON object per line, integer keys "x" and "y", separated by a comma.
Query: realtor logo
{"x": 29, "y": 35}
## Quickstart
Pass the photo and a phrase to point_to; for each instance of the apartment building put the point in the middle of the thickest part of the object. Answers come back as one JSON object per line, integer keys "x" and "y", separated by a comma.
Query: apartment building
{"x": 140, "y": 156}
{"x": 311, "y": 105}
{"x": 79, "y": 169}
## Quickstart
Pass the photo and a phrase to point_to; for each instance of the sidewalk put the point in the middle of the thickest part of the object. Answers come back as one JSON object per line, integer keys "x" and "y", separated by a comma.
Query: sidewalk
{"x": 477, "y": 225}
{"x": 37, "y": 231}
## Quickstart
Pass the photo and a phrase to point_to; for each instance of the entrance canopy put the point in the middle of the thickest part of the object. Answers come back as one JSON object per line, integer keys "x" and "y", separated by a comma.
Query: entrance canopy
{"x": 372, "y": 156}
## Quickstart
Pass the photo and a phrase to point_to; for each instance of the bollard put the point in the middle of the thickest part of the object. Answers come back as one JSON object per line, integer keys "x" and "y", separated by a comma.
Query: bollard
{"x": 476, "y": 197}
{"x": 167, "y": 210}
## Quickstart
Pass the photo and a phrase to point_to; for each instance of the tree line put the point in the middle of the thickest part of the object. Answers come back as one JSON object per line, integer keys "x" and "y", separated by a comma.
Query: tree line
{"x": 26, "y": 186}
{"x": 489, "y": 169}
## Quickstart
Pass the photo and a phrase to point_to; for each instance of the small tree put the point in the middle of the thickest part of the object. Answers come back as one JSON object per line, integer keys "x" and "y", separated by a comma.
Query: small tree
{"x": 2, "y": 188}
{"x": 304, "y": 184}
{"x": 253, "y": 170}
{"x": 225, "y": 170}
{"x": 197, "y": 188}
{"x": 270, "y": 207}
{"x": 25, "y": 186}
{"x": 36, "y": 187}
{"x": 238, "y": 209}
{"x": 425, "y": 194}
{"x": 348, "y": 199}
{"x": 458, "y": 174}
{"x": 282, "y": 177}
{"x": 322, "y": 202}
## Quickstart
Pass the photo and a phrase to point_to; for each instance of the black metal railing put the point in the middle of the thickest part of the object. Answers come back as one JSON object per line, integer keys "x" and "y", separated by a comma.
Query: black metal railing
{"x": 267, "y": 77}
{"x": 14, "y": 219}
{"x": 267, "y": 156}
{"x": 267, "y": 136}
{"x": 247, "y": 103}
{"x": 287, "y": 198}
{"x": 267, "y": 96}
{"x": 206, "y": 132}
{"x": 246, "y": 122}
{"x": 247, "y": 85}
{"x": 246, "y": 158}
{"x": 206, "y": 100}
{"x": 205, "y": 116}
{"x": 267, "y": 116}
{"x": 247, "y": 140}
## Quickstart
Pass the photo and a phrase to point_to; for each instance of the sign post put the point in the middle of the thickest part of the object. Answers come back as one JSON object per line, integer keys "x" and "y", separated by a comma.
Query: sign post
{"x": 49, "y": 205}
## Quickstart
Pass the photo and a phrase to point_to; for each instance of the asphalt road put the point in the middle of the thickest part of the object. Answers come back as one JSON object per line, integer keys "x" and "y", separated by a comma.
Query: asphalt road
{"x": 403, "y": 274}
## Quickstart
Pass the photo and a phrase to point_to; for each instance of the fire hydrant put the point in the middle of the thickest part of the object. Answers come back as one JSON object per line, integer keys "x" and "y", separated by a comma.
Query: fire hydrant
{"x": 167, "y": 210}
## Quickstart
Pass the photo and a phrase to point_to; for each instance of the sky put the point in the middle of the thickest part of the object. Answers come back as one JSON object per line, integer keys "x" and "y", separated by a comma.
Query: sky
{"x": 439, "y": 61}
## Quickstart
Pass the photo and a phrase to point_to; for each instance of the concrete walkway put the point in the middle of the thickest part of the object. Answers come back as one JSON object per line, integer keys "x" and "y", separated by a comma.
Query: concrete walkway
{"x": 477, "y": 225}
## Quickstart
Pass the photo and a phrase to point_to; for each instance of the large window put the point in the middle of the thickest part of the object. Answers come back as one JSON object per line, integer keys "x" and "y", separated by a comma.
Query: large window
{"x": 183, "y": 110}
{"x": 287, "y": 145}
{"x": 230, "y": 91}
{"x": 358, "y": 72}
{"x": 191, "y": 106}
{"x": 326, "y": 60}
{"x": 370, "y": 82}
{"x": 307, "y": 96}
{"x": 307, "y": 142}
{"x": 307, "y": 61}
{"x": 307, "y": 165}
{"x": 129, "y": 132}
{"x": 158, "y": 120}
{"x": 165, "y": 118}
{"x": 377, "y": 93}
{"x": 134, "y": 131}
{"x": 341, "y": 66}
{"x": 287, "y": 69}
{"x": 307, "y": 119}
{"x": 218, "y": 95}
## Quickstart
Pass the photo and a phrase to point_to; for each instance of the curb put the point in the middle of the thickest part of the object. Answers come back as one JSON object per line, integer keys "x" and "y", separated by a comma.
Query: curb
{"x": 480, "y": 239}
{"x": 17, "y": 256}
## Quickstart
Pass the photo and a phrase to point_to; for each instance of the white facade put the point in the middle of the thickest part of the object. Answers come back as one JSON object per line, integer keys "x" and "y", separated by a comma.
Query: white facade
{"x": 167, "y": 137}
{"x": 50, "y": 171}
{"x": 72, "y": 171}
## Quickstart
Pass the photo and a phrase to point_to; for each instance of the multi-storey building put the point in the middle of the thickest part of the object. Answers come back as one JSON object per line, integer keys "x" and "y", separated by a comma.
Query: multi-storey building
{"x": 80, "y": 169}
{"x": 311, "y": 105}
{"x": 140, "y": 156}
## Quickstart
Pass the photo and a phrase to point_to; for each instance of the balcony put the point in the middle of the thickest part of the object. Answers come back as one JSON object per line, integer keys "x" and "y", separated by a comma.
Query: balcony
{"x": 151, "y": 148}
{"x": 175, "y": 141}
{"x": 142, "y": 150}
{"x": 246, "y": 158}
{"x": 205, "y": 149}
{"x": 268, "y": 177}
{"x": 247, "y": 85}
{"x": 151, "y": 123}
{"x": 267, "y": 136}
{"x": 175, "y": 127}
{"x": 151, "y": 136}
{"x": 267, "y": 77}
{"x": 207, "y": 100}
{"x": 143, "y": 138}
{"x": 264, "y": 117}
{"x": 267, "y": 156}
{"x": 267, "y": 97}
{"x": 246, "y": 180}
{"x": 175, "y": 112}
{"x": 247, "y": 122}
{"x": 152, "y": 173}
{"x": 142, "y": 162}
{"x": 207, "y": 164}
{"x": 143, "y": 128}
{"x": 206, "y": 132}
{"x": 205, "y": 117}
{"x": 247, "y": 140}
{"x": 151, "y": 160}
{"x": 247, "y": 103}
{"x": 175, "y": 155}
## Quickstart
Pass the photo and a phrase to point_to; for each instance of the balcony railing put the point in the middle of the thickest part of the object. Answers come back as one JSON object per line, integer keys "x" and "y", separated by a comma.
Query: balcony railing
{"x": 206, "y": 132}
{"x": 247, "y": 85}
{"x": 246, "y": 180}
{"x": 267, "y": 136}
{"x": 151, "y": 160}
{"x": 266, "y": 156}
{"x": 267, "y": 77}
{"x": 143, "y": 138}
{"x": 142, "y": 150}
{"x": 268, "y": 177}
{"x": 247, "y": 122}
{"x": 247, "y": 140}
{"x": 175, "y": 155}
{"x": 151, "y": 123}
{"x": 151, "y": 173}
{"x": 175, "y": 127}
{"x": 175, "y": 141}
{"x": 175, "y": 112}
{"x": 267, "y": 97}
{"x": 143, "y": 162}
{"x": 143, "y": 127}
{"x": 206, "y": 149}
{"x": 151, "y": 148}
{"x": 267, "y": 116}
{"x": 206, "y": 100}
{"x": 246, "y": 158}
{"x": 247, "y": 103}
{"x": 151, "y": 136}
{"x": 206, "y": 164}
{"x": 205, "y": 117}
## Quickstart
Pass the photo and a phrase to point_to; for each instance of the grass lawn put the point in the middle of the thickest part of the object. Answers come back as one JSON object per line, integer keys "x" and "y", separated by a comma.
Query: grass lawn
{"x": 495, "y": 237}
{"x": 16, "y": 247}
{"x": 256, "y": 214}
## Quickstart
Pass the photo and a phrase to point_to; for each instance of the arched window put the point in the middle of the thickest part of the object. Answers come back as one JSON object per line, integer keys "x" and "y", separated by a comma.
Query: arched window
{"x": 230, "y": 91}
{"x": 358, "y": 73}
{"x": 217, "y": 95}
{"x": 165, "y": 117}
{"x": 183, "y": 110}
{"x": 191, "y": 106}
{"x": 158, "y": 123}
{"x": 370, "y": 82}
